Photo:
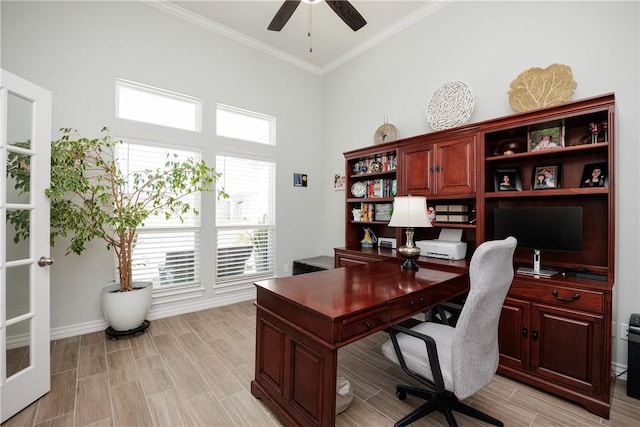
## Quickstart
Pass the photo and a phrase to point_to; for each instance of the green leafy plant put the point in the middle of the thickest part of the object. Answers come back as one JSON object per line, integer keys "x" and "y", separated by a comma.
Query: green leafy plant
{"x": 92, "y": 198}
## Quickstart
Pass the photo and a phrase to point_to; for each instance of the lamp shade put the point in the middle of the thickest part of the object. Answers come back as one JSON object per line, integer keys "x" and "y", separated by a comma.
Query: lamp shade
{"x": 410, "y": 211}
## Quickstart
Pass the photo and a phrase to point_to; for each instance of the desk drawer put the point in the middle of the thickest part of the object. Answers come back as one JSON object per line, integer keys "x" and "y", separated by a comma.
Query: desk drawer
{"x": 363, "y": 323}
{"x": 579, "y": 299}
{"x": 410, "y": 305}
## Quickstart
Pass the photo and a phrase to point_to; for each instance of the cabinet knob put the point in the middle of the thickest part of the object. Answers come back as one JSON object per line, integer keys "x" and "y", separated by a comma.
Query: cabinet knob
{"x": 412, "y": 303}
{"x": 525, "y": 332}
{"x": 534, "y": 334}
{"x": 369, "y": 325}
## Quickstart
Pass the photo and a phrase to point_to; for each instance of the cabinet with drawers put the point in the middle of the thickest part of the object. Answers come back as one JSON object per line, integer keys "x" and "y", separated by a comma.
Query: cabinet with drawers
{"x": 554, "y": 334}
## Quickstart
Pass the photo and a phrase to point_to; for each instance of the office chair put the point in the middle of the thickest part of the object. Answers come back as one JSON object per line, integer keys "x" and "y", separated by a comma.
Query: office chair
{"x": 454, "y": 363}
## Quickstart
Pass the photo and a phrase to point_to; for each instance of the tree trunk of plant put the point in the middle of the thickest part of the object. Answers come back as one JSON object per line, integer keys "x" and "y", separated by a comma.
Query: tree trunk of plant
{"x": 124, "y": 261}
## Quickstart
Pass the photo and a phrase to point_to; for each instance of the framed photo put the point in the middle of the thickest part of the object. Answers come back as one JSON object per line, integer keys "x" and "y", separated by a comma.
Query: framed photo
{"x": 595, "y": 175}
{"x": 299, "y": 180}
{"x": 507, "y": 180}
{"x": 339, "y": 180}
{"x": 545, "y": 177}
{"x": 546, "y": 138}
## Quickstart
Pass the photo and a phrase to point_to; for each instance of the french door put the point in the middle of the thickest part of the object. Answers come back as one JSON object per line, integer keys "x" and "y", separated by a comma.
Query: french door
{"x": 25, "y": 150}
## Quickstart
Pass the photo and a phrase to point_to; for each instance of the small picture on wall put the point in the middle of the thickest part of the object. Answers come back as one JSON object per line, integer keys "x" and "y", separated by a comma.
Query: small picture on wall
{"x": 546, "y": 139}
{"x": 339, "y": 180}
{"x": 546, "y": 177}
{"x": 595, "y": 175}
{"x": 507, "y": 180}
{"x": 299, "y": 180}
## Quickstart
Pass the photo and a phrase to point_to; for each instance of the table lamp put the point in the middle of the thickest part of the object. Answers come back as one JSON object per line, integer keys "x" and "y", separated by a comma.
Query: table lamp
{"x": 409, "y": 212}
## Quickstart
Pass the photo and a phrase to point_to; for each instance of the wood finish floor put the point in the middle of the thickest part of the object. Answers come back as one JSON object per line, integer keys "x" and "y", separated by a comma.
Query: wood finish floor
{"x": 195, "y": 369}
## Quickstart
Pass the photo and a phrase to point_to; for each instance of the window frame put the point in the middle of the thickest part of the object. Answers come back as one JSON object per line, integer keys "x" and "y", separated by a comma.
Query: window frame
{"x": 160, "y": 92}
{"x": 270, "y": 120}
{"x": 222, "y": 282}
{"x": 194, "y": 286}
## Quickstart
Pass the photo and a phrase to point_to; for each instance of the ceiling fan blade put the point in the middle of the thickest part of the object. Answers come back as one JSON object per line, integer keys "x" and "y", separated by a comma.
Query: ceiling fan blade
{"x": 347, "y": 13}
{"x": 283, "y": 14}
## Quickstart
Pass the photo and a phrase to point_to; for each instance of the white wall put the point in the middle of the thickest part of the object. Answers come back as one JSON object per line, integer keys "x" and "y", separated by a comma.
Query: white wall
{"x": 487, "y": 44}
{"x": 77, "y": 49}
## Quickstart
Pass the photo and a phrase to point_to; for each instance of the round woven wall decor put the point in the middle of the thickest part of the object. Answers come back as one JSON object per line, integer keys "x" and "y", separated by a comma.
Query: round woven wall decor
{"x": 385, "y": 133}
{"x": 451, "y": 105}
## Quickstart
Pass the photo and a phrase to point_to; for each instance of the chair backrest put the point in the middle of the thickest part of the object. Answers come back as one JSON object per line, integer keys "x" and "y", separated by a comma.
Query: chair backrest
{"x": 474, "y": 349}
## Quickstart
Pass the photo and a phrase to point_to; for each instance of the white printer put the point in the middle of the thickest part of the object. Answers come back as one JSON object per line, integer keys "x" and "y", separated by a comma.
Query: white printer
{"x": 447, "y": 246}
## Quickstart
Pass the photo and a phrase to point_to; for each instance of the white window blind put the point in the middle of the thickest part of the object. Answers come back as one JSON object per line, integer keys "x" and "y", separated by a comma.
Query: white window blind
{"x": 167, "y": 251}
{"x": 245, "y": 222}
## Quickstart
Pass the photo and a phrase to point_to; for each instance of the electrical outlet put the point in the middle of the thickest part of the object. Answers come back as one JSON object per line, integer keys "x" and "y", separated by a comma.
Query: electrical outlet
{"x": 624, "y": 331}
{"x": 285, "y": 268}
{"x": 613, "y": 330}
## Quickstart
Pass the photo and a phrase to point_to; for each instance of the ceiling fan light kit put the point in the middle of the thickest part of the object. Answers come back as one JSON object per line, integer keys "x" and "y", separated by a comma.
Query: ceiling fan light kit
{"x": 343, "y": 9}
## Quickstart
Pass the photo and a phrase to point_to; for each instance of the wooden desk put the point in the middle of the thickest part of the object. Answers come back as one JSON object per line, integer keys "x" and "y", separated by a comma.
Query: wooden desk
{"x": 301, "y": 321}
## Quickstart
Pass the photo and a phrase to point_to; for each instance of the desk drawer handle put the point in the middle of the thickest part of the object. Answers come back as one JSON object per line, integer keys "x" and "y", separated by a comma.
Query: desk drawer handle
{"x": 559, "y": 298}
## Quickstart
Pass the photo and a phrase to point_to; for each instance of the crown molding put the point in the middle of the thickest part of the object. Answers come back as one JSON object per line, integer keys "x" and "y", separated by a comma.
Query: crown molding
{"x": 390, "y": 31}
{"x": 230, "y": 33}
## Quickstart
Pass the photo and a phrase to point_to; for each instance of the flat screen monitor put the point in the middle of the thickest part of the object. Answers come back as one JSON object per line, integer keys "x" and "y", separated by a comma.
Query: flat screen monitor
{"x": 541, "y": 229}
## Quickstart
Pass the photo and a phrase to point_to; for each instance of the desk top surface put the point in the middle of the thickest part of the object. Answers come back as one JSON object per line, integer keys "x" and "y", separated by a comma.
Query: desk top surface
{"x": 341, "y": 291}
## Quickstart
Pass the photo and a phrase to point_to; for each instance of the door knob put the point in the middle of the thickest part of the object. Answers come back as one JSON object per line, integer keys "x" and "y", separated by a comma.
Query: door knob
{"x": 43, "y": 261}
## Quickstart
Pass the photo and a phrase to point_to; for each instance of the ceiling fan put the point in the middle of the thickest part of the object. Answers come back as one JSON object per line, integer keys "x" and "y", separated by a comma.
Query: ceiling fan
{"x": 342, "y": 8}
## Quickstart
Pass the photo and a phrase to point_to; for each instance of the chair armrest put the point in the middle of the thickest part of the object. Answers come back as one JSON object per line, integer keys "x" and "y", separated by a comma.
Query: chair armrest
{"x": 432, "y": 352}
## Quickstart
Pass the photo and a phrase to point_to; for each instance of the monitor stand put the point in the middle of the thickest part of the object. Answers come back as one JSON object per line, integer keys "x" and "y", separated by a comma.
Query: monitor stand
{"x": 536, "y": 270}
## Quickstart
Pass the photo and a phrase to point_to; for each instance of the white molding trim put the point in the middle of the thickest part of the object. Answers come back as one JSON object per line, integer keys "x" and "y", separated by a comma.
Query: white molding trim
{"x": 157, "y": 313}
{"x": 180, "y": 12}
{"x": 390, "y": 31}
{"x": 619, "y": 371}
{"x": 230, "y": 33}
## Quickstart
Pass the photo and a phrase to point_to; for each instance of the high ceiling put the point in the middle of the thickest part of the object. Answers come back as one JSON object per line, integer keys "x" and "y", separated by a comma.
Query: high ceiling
{"x": 332, "y": 41}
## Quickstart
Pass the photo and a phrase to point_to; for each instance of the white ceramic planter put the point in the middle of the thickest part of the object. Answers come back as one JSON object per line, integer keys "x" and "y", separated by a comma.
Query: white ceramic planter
{"x": 126, "y": 310}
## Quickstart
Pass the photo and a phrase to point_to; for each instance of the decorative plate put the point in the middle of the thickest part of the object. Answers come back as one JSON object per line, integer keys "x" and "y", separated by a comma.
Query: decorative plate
{"x": 451, "y": 105}
{"x": 542, "y": 87}
{"x": 376, "y": 166}
{"x": 385, "y": 133}
{"x": 358, "y": 189}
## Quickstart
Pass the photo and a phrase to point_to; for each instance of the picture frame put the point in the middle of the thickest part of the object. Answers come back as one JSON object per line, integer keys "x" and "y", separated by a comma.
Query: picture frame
{"x": 299, "y": 180}
{"x": 595, "y": 175}
{"x": 545, "y": 177}
{"x": 507, "y": 179}
{"x": 339, "y": 180}
{"x": 540, "y": 139}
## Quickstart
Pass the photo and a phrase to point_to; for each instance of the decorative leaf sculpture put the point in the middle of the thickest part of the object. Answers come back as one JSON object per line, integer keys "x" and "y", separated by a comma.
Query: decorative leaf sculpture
{"x": 538, "y": 88}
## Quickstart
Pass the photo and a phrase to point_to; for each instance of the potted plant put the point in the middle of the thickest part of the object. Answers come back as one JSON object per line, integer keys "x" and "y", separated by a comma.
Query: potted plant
{"x": 91, "y": 198}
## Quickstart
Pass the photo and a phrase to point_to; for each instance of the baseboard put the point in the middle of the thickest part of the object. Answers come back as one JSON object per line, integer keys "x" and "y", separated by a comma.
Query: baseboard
{"x": 156, "y": 312}
{"x": 619, "y": 371}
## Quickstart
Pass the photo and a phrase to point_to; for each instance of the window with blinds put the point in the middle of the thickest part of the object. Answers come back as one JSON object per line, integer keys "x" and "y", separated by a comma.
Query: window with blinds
{"x": 245, "y": 222}
{"x": 167, "y": 251}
